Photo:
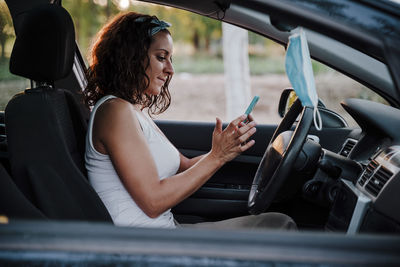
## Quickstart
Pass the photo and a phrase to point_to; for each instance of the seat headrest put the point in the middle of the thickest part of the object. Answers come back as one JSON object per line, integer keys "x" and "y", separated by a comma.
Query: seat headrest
{"x": 45, "y": 45}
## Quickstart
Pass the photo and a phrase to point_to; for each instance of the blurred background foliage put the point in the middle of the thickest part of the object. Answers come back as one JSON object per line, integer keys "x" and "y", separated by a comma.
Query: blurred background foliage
{"x": 202, "y": 31}
{"x": 197, "y": 39}
{"x": 7, "y": 37}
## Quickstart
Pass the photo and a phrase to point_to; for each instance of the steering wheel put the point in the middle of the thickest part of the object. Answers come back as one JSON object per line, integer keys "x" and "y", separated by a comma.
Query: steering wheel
{"x": 279, "y": 157}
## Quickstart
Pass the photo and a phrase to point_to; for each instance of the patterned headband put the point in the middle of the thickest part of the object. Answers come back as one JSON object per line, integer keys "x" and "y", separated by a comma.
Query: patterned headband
{"x": 160, "y": 25}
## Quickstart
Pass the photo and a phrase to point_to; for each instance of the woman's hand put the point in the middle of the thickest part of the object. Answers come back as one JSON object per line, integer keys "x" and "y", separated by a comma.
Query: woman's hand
{"x": 229, "y": 143}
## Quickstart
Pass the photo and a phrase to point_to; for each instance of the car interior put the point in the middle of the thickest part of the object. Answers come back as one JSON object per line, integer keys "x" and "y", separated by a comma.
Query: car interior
{"x": 340, "y": 179}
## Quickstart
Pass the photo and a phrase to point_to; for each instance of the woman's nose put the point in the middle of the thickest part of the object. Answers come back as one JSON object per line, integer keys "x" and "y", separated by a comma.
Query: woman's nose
{"x": 169, "y": 68}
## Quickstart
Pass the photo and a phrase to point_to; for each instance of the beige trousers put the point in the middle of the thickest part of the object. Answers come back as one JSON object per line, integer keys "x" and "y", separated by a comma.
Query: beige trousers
{"x": 271, "y": 220}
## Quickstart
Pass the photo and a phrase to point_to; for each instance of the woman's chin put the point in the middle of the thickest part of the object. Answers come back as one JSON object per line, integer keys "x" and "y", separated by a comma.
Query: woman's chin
{"x": 154, "y": 92}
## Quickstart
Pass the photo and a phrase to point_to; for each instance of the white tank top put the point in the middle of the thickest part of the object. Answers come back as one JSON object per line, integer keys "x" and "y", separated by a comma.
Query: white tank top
{"x": 104, "y": 179}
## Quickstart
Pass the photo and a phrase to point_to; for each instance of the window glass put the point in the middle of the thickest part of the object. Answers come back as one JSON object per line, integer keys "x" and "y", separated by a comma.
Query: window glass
{"x": 9, "y": 83}
{"x": 198, "y": 86}
{"x": 333, "y": 87}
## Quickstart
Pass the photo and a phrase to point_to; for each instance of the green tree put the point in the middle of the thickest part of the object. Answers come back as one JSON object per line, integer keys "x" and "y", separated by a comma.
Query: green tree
{"x": 89, "y": 16}
{"x": 209, "y": 29}
{"x": 6, "y": 28}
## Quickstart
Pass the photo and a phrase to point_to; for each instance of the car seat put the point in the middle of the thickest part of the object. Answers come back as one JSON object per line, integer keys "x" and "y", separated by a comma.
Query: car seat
{"x": 13, "y": 203}
{"x": 44, "y": 126}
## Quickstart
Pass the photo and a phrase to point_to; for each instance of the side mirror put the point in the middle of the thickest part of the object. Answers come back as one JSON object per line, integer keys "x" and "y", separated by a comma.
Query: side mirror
{"x": 330, "y": 119}
{"x": 287, "y": 99}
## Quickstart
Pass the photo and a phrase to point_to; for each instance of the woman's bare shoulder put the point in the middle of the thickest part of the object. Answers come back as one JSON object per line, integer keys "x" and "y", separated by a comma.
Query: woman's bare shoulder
{"x": 116, "y": 106}
{"x": 116, "y": 112}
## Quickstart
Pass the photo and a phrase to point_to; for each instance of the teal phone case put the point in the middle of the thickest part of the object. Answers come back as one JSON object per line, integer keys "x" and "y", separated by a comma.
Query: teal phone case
{"x": 252, "y": 104}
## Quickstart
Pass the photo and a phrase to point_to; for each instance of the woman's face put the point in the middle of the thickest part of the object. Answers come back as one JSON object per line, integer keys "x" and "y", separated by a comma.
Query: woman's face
{"x": 160, "y": 67}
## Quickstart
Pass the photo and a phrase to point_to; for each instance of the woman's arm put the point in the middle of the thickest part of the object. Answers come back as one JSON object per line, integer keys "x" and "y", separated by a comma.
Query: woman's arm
{"x": 186, "y": 163}
{"x": 119, "y": 135}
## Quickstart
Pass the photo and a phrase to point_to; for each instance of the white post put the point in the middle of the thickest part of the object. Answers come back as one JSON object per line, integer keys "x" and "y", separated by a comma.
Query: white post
{"x": 236, "y": 68}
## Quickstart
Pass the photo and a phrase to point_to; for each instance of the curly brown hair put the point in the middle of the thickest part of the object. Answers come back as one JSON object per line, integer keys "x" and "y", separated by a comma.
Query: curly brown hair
{"x": 118, "y": 62}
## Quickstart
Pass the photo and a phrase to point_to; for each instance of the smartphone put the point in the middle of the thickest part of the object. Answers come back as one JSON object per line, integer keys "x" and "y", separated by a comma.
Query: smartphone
{"x": 251, "y": 106}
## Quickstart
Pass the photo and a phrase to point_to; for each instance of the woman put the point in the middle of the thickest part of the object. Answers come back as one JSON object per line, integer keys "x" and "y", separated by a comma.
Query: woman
{"x": 133, "y": 167}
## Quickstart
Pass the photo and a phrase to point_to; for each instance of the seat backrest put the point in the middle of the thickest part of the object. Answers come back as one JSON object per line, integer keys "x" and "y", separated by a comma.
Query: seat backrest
{"x": 44, "y": 126}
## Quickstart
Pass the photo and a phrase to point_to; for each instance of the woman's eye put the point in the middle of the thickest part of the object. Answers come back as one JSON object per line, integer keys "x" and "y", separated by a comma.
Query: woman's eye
{"x": 161, "y": 58}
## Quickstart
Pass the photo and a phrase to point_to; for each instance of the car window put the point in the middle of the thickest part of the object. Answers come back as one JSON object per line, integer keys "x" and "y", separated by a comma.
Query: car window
{"x": 199, "y": 94}
{"x": 9, "y": 84}
{"x": 198, "y": 86}
{"x": 333, "y": 87}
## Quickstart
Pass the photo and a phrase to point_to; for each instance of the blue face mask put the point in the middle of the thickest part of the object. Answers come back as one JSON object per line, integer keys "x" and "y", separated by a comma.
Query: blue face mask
{"x": 300, "y": 73}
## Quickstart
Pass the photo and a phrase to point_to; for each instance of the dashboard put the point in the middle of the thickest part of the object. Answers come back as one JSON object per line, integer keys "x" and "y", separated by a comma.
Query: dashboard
{"x": 369, "y": 201}
{"x": 380, "y": 171}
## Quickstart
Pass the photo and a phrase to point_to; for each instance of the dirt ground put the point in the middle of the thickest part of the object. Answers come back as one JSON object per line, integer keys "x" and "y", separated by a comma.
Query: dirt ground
{"x": 202, "y": 97}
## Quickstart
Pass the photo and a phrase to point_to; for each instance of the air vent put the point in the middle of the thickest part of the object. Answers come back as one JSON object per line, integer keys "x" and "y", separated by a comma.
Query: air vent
{"x": 368, "y": 172}
{"x": 348, "y": 146}
{"x": 378, "y": 180}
